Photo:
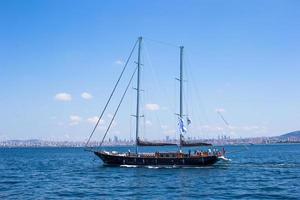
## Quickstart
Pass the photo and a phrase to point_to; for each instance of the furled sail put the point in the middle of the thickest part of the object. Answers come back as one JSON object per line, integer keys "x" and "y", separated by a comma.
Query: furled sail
{"x": 148, "y": 143}
{"x": 193, "y": 143}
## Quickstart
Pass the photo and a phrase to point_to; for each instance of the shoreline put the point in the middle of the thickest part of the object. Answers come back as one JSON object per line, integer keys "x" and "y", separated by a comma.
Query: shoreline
{"x": 120, "y": 146}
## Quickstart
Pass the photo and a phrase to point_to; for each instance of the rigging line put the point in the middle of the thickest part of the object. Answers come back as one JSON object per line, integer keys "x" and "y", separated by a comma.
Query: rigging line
{"x": 130, "y": 128}
{"x": 222, "y": 117}
{"x": 162, "y": 42}
{"x": 116, "y": 111}
{"x": 185, "y": 99}
{"x": 142, "y": 96}
{"x": 175, "y": 93}
{"x": 228, "y": 126}
{"x": 113, "y": 91}
{"x": 142, "y": 112}
{"x": 195, "y": 92}
{"x": 201, "y": 109}
{"x": 199, "y": 104}
{"x": 186, "y": 91}
{"x": 144, "y": 127}
{"x": 130, "y": 118}
{"x": 155, "y": 75}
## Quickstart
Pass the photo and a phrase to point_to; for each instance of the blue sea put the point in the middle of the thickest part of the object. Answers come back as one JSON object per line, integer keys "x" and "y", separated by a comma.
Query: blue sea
{"x": 255, "y": 172}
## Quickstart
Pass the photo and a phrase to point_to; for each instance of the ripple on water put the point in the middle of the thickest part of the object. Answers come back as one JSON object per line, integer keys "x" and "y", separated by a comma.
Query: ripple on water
{"x": 68, "y": 173}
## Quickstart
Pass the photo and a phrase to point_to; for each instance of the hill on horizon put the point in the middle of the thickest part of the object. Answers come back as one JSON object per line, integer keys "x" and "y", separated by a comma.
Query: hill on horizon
{"x": 291, "y": 134}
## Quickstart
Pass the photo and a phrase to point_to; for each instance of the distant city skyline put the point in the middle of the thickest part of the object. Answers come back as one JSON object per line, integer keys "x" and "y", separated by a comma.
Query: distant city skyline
{"x": 59, "y": 61}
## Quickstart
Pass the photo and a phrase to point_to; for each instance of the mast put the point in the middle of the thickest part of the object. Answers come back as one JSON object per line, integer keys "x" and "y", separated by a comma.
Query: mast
{"x": 181, "y": 90}
{"x": 138, "y": 96}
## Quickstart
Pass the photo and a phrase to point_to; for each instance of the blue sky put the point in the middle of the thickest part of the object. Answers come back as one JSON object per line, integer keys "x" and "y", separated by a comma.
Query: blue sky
{"x": 241, "y": 57}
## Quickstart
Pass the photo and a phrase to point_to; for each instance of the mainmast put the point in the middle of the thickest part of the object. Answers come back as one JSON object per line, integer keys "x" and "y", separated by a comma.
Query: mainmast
{"x": 138, "y": 96}
{"x": 181, "y": 90}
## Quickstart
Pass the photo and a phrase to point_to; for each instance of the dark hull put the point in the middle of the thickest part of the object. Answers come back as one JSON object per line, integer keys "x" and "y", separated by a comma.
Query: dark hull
{"x": 152, "y": 161}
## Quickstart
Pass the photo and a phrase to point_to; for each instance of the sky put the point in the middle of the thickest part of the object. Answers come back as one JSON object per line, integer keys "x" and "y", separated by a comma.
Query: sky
{"x": 59, "y": 61}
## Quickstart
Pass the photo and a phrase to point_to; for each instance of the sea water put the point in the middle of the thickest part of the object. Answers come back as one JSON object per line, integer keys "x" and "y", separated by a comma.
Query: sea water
{"x": 255, "y": 172}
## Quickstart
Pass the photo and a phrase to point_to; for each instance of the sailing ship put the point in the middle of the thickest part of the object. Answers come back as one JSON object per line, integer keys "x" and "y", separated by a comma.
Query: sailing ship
{"x": 175, "y": 158}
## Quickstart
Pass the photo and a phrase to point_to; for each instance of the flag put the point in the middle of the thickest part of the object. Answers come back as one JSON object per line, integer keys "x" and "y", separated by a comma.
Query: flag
{"x": 181, "y": 125}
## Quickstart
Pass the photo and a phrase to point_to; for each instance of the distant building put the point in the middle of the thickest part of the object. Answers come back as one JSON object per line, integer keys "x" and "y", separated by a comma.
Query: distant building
{"x": 167, "y": 138}
{"x": 116, "y": 139}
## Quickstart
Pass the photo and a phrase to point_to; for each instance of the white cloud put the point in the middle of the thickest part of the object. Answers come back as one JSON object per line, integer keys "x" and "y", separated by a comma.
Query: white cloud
{"x": 63, "y": 96}
{"x": 211, "y": 128}
{"x": 114, "y": 124}
{"x": 220, "y": 110}
{"x": 245, "y": 128}
{"x": 66, "y": 136}
{"x": 74, "y": 120}
{"x": 152, "y": 106}
{"x": 148, "y": 123}
{"x": 119, "y": 62}
{"x": 86, "y": 95}
{"x": 250, "y": 128}
{"x": 110, "y": 116}
{"x": 116, "y": 132}
{"x": 216, "y": 128}
{"x": 165, "y": 127}
{"x": 93, "y": 120}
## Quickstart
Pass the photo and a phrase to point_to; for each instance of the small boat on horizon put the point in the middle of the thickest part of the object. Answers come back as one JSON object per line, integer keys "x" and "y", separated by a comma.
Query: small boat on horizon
{"x": 174, "y": 158}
